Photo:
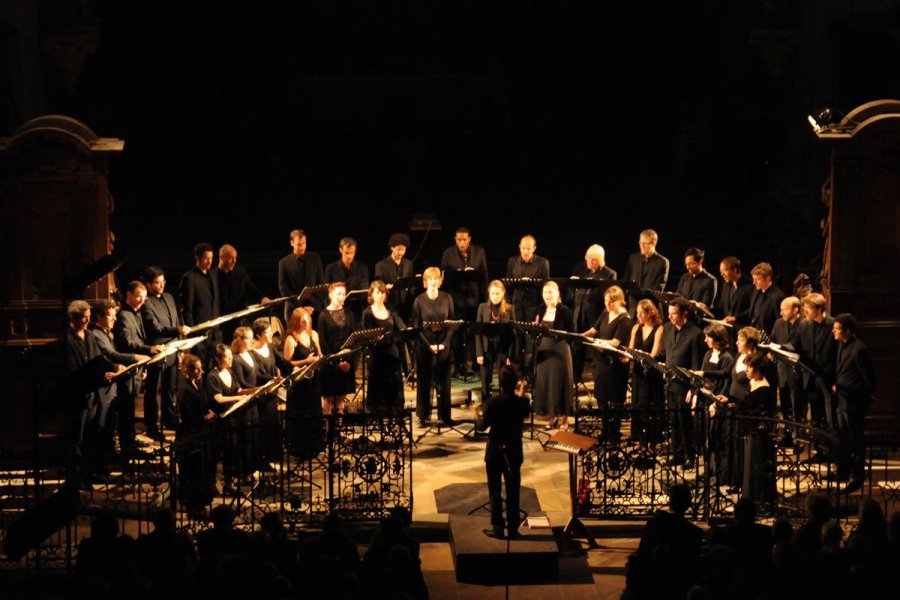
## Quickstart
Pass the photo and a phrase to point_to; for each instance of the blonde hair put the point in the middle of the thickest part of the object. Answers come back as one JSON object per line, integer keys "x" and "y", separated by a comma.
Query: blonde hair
{"x": 615, "y": 294}
{"x": 432, "y": 272}
{"x": 239, "y": 335}
{"x": 504, "y": 305}
{"x": 751, "y": 335}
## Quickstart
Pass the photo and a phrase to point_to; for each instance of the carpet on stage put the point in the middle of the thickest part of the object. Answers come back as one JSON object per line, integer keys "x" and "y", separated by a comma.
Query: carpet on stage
{"x": 463, "y": 498}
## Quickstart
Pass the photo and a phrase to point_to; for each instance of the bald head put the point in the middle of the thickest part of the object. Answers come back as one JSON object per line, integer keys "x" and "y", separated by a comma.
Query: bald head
{"x": 227, "y": 257}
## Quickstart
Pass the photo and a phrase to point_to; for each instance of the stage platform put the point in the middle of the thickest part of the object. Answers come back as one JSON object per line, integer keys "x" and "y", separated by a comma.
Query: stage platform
{"x": 533, "y": 558}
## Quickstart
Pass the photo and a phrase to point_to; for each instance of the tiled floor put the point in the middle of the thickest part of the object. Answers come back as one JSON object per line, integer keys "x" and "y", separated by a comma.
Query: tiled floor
{"x": 451, "y": 458}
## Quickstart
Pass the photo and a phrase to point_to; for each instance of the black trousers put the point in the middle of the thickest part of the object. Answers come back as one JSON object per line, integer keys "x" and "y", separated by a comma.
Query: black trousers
{"x": 498, "y": 468}
{"x": 432, "y": 370}
{"x": 123, "y": 408}
{"x": 491, "y": 362}
{"x": 160, "y": 381}
{"x": 681, "y": 423}
{"x": 851, "y": 418}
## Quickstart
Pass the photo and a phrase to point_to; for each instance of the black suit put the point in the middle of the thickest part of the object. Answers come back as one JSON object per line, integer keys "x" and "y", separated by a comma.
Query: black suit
{"x": 389, "y": 272}
{"x": 200, "y": 299}
{"x": 818, "y": 349}
{"x": 764, "y": 308}
{"x": 526, "y": 298}
{"x": 130, "y": 339}
{"x": 294, "y": 274}
{"x": 85, "y": 366}
{"x": 237, "y": 289}
{"x": 356, "y": 277}
{"x": 467, "y": 293}
{"x": 161, "y": 326}
{"x": 700, "y": 287}
{"x": 683, "y": 348}
{"x": 734, "y": 299}
{"x": 503, "y": 455}
{"x": 105, "y": 427}
{"x": 855, "y": 383}
{"x": 790, "y": 382}
{"x": 652, "y": 273}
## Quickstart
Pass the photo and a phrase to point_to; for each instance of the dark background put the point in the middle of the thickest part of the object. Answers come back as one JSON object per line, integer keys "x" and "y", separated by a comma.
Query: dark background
{"x": 577, "y": 122}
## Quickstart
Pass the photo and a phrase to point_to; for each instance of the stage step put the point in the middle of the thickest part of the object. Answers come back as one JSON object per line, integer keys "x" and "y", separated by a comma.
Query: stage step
{"x": 531, "y": 559}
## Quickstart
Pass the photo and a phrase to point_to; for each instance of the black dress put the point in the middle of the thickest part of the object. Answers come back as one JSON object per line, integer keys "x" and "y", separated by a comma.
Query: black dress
{"x": 718, "y": 369}
{"x": 493, "y": 350}
{"x": 757, "y": 445}
{"x": 611, "y": 374}
{"x": 246, "y": 369}
{"x": 196, "y": 464}
{"x": 554, "y": 384}
{"x": 335, "y": 326}
{"x": 304, "y": 409}
{"x": 226, "y": 432}
{"x": 384, "y": 393}
{"x": 737, "y": 393}
{"x": 646, "y": 393}
{"x": 268, "y": 366}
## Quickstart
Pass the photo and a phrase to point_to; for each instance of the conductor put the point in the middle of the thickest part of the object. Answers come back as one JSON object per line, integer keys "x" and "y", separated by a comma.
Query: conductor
{"x": 504, "y": 414}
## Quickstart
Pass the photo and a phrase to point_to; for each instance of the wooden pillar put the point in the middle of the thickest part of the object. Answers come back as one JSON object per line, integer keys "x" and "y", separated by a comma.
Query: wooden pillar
{"x": 54, "y": 223}
{"x": 862, "y": 258}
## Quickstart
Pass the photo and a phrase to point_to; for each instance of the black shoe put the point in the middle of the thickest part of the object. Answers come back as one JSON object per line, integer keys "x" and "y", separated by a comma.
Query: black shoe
{"x": 853, "y": 485}
{"x": 494, "y": 533}
{"x": 834, "y": 476}
{"x": 420, "y": 423}
{"x": 155, "y": 434}
{"x": 513, "y": 534}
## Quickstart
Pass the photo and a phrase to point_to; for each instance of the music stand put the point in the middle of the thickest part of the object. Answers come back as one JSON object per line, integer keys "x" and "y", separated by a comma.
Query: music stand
{"x": 791, "y": 358}
{"x": 455, "y": 282}
{"x": 573, "y": 444}
{"x": 361, "y": 340}
{"x": 535, "y": 331}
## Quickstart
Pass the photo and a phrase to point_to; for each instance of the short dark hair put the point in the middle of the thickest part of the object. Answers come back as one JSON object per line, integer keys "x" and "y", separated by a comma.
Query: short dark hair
{"x": 682, "y": 304}
{"x": 697, "y": 253}
{"x": 718, "y": 334}
{"x": 347, "y": 241}
{"x": 202, "y": 248}
{"x": 757, "y": 360}
{"x": 848, "y": 322}
{"x": 732, "y": 262}
{"x": 221, "y": 349}
{"x": 680, "y": 497}
{"x": 464, "y": 230}
{"x": 508, "y": 380}
{"x": 135, "y": 286}
{"x": 151, "y": 273}
{"x": 101, "y": 307}
{"x": 259, "y": 326}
